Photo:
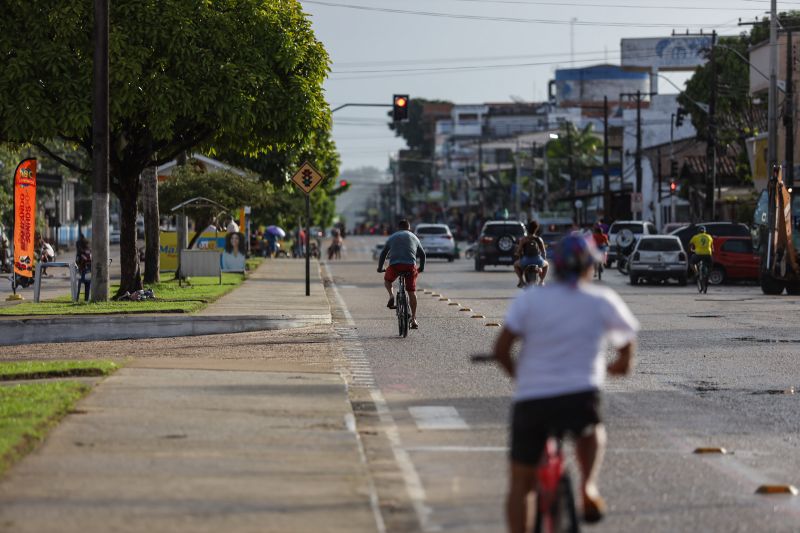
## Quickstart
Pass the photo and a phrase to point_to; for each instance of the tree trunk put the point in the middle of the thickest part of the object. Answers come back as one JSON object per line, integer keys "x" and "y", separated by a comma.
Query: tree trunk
{"x": 129, "y": 257}
{"x": 151, "y": 225}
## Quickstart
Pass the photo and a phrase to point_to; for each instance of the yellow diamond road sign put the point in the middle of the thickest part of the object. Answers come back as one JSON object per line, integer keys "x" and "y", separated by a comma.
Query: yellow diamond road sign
{"x": 307, "y": 178}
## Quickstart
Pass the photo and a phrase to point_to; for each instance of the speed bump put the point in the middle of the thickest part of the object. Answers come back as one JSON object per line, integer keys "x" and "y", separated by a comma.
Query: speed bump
{"x": 465, "y": 309}
{"x": 444, "y": 299}
{"x": 477, "y": 316}
{"x": 454, "y": 303}
{"x": 435, "y": 295}
{"x": 493, "y": 324}
{"x": 777, "y": 489}
{"x": 711, "y": 449}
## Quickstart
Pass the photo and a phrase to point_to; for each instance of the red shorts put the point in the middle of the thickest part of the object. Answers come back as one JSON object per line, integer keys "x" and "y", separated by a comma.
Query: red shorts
{"x": 393, "y": 272}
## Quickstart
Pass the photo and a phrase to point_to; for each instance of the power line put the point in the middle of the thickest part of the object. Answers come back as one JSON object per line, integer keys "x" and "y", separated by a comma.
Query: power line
{"x": 466, "y": 67}
{"x": 356, "y": 64}
{"x": 509, "y": 19}
{"x": 609, "y": 6}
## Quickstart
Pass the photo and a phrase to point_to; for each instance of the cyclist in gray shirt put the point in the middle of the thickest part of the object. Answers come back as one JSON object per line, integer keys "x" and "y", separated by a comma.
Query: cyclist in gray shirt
{"x": 403, "y": 249}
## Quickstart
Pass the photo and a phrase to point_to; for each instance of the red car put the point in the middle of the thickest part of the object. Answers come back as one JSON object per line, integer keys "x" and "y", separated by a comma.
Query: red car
{"x": 733, "y": 260}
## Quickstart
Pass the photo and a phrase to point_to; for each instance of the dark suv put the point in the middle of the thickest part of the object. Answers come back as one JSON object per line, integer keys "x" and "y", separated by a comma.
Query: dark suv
{"x": 497, "y": 243}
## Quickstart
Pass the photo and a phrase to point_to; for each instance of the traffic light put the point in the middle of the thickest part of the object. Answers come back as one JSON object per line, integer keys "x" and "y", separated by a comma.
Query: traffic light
{"x": 342, "y": 183}
{"x": 673, "y": 168}
{"x": 673, "y": 187}
{"x": 679, "y": 117}
{"x": 400, "y": 107}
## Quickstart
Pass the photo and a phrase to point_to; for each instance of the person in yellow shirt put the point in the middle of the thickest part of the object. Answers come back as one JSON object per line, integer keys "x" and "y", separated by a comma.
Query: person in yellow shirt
{"x": 702, "y": 245}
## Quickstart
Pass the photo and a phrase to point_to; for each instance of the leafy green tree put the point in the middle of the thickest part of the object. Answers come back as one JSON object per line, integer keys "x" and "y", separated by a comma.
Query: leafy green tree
{"x": 576, "y": 150}
{"x": 233, "y": 76}
{"x": 738, "y": 117}
{"x": 224, "y": 187}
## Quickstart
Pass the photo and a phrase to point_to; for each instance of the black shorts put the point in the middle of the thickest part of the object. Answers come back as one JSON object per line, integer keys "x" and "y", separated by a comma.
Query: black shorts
{"x": 533, "y": 421}
{"x": 698, "y": 258}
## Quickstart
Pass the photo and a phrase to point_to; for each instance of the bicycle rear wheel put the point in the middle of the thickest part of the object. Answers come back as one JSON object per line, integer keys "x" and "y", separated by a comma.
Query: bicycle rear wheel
{"x": 400, "y": 302}
{"x": 560, "y": 516}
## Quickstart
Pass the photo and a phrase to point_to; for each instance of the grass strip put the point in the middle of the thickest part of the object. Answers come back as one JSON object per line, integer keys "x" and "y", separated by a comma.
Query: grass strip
{"x": 28, "y": 411}
{"x": 19, "y": 370}
{"x": 170, "y": 298}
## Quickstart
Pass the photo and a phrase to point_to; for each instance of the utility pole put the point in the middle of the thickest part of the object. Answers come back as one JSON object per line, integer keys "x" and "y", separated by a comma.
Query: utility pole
{"x": 546, "y": 180}
{"x": 711, "y": 144}
{"x": 672, "y": 167}
{"x": 517, "y": 199}
{"x": 772, "y": 109}
{"x": 788, "y": 113}
{"x": 606, "y": 168}
{"x": 639, "y": 95}
{"x": 480, "y": 175}
{"x": 533, "y": 180}
{"x": 396, "y": 176}
{"x": 571, "y": 170}
{"x": 100, "y": 155}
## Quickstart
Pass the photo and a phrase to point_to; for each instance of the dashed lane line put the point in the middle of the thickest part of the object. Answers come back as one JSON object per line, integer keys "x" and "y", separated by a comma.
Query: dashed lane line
{"x": 355, "y": 354}
{"x": 437, "y": 417}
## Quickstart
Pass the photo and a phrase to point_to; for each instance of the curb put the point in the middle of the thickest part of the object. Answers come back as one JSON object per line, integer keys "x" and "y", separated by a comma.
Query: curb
{"x": 120, "y": 327}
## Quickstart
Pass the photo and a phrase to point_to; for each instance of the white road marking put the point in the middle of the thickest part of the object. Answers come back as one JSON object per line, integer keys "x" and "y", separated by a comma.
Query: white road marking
{"x": 356, "y": 354}
{"x": 437, "y": 417}
{"x": 458, "y": 449}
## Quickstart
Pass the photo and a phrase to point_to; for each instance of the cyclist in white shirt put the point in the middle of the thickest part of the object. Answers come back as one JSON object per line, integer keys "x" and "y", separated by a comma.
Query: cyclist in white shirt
{"x": 564, "y": 328}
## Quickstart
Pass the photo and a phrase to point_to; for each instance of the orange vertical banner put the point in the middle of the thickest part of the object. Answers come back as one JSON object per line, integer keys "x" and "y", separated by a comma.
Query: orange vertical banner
{"x": 24, "y": 217}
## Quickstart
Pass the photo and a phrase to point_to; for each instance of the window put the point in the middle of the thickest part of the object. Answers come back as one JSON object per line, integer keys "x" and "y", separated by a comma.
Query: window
{"x": 468, "y": 117}
{"x": 659, "y": 245}
{"x": 738, "y": 246}
{"x": 432, "y": 230}
{"x": 635, "y": 228}
{"x": 728, "y": 230}
{"x": 496, "y": 230}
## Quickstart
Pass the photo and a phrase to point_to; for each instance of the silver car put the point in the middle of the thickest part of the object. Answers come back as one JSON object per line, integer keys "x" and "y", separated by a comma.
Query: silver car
{"x": 658, "y": 258}
{"x": 437, "y": 240}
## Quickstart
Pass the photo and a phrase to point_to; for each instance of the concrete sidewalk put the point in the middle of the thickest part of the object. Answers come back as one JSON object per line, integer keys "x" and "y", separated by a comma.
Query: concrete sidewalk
{"x": 191, "y": 438}
{"x": 275, "y": 289}
{"x": 184, "y": 449}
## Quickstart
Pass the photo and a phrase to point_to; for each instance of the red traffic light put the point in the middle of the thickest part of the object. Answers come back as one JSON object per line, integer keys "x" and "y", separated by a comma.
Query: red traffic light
{"x": 673, "y": 186}
{"x": 400, "y": 107}
{"x": 342, "y": 183}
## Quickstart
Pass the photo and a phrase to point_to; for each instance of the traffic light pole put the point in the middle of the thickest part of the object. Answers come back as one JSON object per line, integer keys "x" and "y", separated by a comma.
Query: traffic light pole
{"x": 335, "y": 109}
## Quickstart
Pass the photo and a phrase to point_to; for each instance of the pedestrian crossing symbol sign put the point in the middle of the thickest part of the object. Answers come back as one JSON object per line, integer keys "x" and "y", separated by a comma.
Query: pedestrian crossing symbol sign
{"x": 307, "y": 177}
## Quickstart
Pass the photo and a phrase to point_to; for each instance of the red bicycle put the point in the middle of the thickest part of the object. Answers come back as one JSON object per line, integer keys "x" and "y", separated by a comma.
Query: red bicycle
{"x": 555, "y": 500}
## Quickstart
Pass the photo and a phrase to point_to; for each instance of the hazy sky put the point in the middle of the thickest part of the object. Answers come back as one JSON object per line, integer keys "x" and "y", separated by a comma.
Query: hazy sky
{"x": 377, "y": 53}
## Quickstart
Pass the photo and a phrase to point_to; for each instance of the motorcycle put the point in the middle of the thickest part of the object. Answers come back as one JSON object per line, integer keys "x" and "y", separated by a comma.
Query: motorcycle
{"x": 626, "y": 242}
{"x": 532, "y": 275}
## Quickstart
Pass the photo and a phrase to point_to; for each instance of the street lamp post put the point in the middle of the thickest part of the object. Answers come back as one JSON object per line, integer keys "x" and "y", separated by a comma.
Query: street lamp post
{"x": 545, "y": 177}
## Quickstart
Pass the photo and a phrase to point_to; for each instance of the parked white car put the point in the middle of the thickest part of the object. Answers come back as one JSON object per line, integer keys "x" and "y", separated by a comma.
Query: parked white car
{"x": 437, "y": 240}
{"x": 637, "y": 227}
{"x": 658, "y": 258}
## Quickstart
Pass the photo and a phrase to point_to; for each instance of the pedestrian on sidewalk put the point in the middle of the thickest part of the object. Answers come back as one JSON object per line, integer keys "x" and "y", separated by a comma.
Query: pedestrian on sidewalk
{"x": 83, "y": 258}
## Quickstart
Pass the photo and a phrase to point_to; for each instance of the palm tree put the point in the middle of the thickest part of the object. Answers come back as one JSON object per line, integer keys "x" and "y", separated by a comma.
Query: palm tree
{"x": 574, "y": 153}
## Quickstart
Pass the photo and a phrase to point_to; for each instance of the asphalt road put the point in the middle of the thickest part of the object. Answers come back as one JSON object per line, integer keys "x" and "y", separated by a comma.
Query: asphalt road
{"x": 712, "y": 370}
